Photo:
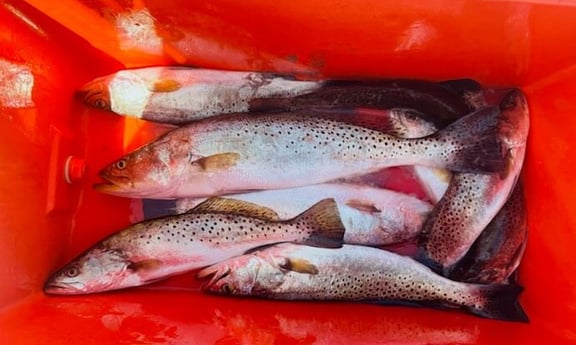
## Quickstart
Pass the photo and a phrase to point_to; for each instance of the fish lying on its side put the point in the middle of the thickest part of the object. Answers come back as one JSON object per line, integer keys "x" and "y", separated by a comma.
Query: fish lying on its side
{"x": 371, "y": 216}
{"x": 472, "y": 200}
{"x": 355, "y": 273}
{"x": 239, "y": 153}
{"x": 497, "y": 252}
{"x": 213, "y": 231}
{"x": 439, "y": 103}
{"x": 177, "y": 95}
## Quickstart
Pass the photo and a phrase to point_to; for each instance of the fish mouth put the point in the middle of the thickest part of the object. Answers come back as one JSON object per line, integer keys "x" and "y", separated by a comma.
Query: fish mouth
{"x": 58, "y": 289}
{"x": 110, "y": 188}
{"x": 113, "y": 184}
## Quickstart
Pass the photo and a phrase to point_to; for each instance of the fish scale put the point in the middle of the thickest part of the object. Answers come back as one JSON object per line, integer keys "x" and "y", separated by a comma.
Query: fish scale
{"x": 229, "y": 154}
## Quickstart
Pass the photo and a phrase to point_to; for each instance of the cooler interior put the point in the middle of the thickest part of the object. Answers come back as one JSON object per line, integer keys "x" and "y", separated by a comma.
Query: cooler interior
{"x": 49, "y": 49}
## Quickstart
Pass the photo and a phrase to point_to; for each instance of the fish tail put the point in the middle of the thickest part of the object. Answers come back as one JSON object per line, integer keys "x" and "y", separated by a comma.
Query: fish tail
{"x": 476, "y": 143}
{"x": 323, "y": 220}
{"x": 500, "y": 303}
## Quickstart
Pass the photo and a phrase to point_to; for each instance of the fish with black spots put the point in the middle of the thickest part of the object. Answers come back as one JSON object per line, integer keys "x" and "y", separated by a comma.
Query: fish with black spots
{"x": 355, "y": 273}
{"x": 239, "y": 153}
{"x": 372, "y": 216}
{"x": 213, "y": 231}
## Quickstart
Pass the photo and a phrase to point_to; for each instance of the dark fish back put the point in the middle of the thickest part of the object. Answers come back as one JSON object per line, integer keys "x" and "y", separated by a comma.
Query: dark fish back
{"x": 440, "y": 104}
{"x": 498, "y": 250}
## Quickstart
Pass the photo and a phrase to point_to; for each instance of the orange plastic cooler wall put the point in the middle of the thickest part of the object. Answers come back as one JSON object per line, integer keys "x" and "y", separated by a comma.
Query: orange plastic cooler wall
{"x": 48, "y": 49}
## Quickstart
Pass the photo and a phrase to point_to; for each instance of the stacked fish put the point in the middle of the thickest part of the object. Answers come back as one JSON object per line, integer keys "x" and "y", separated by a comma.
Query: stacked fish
{"x": 278, "y": 190}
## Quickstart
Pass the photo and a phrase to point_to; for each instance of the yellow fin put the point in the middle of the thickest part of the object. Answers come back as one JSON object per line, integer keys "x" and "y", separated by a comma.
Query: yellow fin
{"x": 323, "y": 220}
{"x": 363, "y": 206}
{"x": 145, "y": 265}
{"x": 300, "y": 266}
{"x": 442, "y": 174}
{"x": 238, "y": 207}
{"x": 218, "y": 161}
{"x": 165, "y": 85}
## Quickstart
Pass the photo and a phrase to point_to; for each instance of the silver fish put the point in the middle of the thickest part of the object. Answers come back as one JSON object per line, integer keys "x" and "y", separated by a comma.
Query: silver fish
{"x": 177, "y": 95}
{"x": 215, "y": 230}
{"x": 238, "y": 153}
{"x": 355, "y": 273}
{"x": 371, "y": 216}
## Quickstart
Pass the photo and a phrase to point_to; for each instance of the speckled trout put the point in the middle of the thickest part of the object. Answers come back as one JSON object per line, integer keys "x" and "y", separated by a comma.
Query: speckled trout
{"x": 239, "y": 153}
{"x": 355, "y": 273}
{"x": 177, "y": 95}
{"x": 372, "y": 216}
{"x": 213, "y": 231}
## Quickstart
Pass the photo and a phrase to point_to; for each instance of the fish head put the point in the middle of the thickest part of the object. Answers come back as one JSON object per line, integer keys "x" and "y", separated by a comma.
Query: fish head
{"x": 242, "y": 276}
{"x": 154, "y": 170}
{"x": 126, "y": 92}
{"x": 99, "y": 269}
{"x": 96, "y": 94}
{"x": 408, "y": 123}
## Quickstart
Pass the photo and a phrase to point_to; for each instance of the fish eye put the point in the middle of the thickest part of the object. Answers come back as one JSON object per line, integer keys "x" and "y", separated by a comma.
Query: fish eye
{"x": 226, "y": 288}
{"x": 121, "y": 164}
{"x": 100, "y": 103}
{"x": 72, "y": 272}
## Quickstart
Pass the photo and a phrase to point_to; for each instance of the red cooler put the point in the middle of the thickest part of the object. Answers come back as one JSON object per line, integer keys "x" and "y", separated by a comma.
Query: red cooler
{"x": 53, "y": 147}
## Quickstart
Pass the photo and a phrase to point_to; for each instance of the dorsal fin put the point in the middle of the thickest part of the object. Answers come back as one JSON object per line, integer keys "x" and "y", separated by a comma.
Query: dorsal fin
{"x": 324, "y": 218}
{"x": 238, "y": 207}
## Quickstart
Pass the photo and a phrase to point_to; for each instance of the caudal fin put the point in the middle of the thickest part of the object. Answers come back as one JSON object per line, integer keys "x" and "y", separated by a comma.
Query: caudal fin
{"x": 323, "y": 224}
{"x": 476, "y": 143}
{"x": 501, "y": 303}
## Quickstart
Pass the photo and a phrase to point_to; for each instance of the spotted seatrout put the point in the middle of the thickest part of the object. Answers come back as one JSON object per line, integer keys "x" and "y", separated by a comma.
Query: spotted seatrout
{"x": 213, "y": 231}
{"x": 177, "y": 95}
{"x": 472, "y": 200}
{"x": 355, "y": 273}
{"x": 371, "y": 216}
{"x": 239, "y": 153}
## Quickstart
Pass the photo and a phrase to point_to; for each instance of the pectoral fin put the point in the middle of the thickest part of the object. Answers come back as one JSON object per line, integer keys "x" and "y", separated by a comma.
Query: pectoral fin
{"x": 165, "y": 85}
{"x": 299, "y": 265}
{"x": 218, "y": 161}
{"x": 442, "y": 174}
{"x": 363, "y": 206}
{"x": 145, "y": 265}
